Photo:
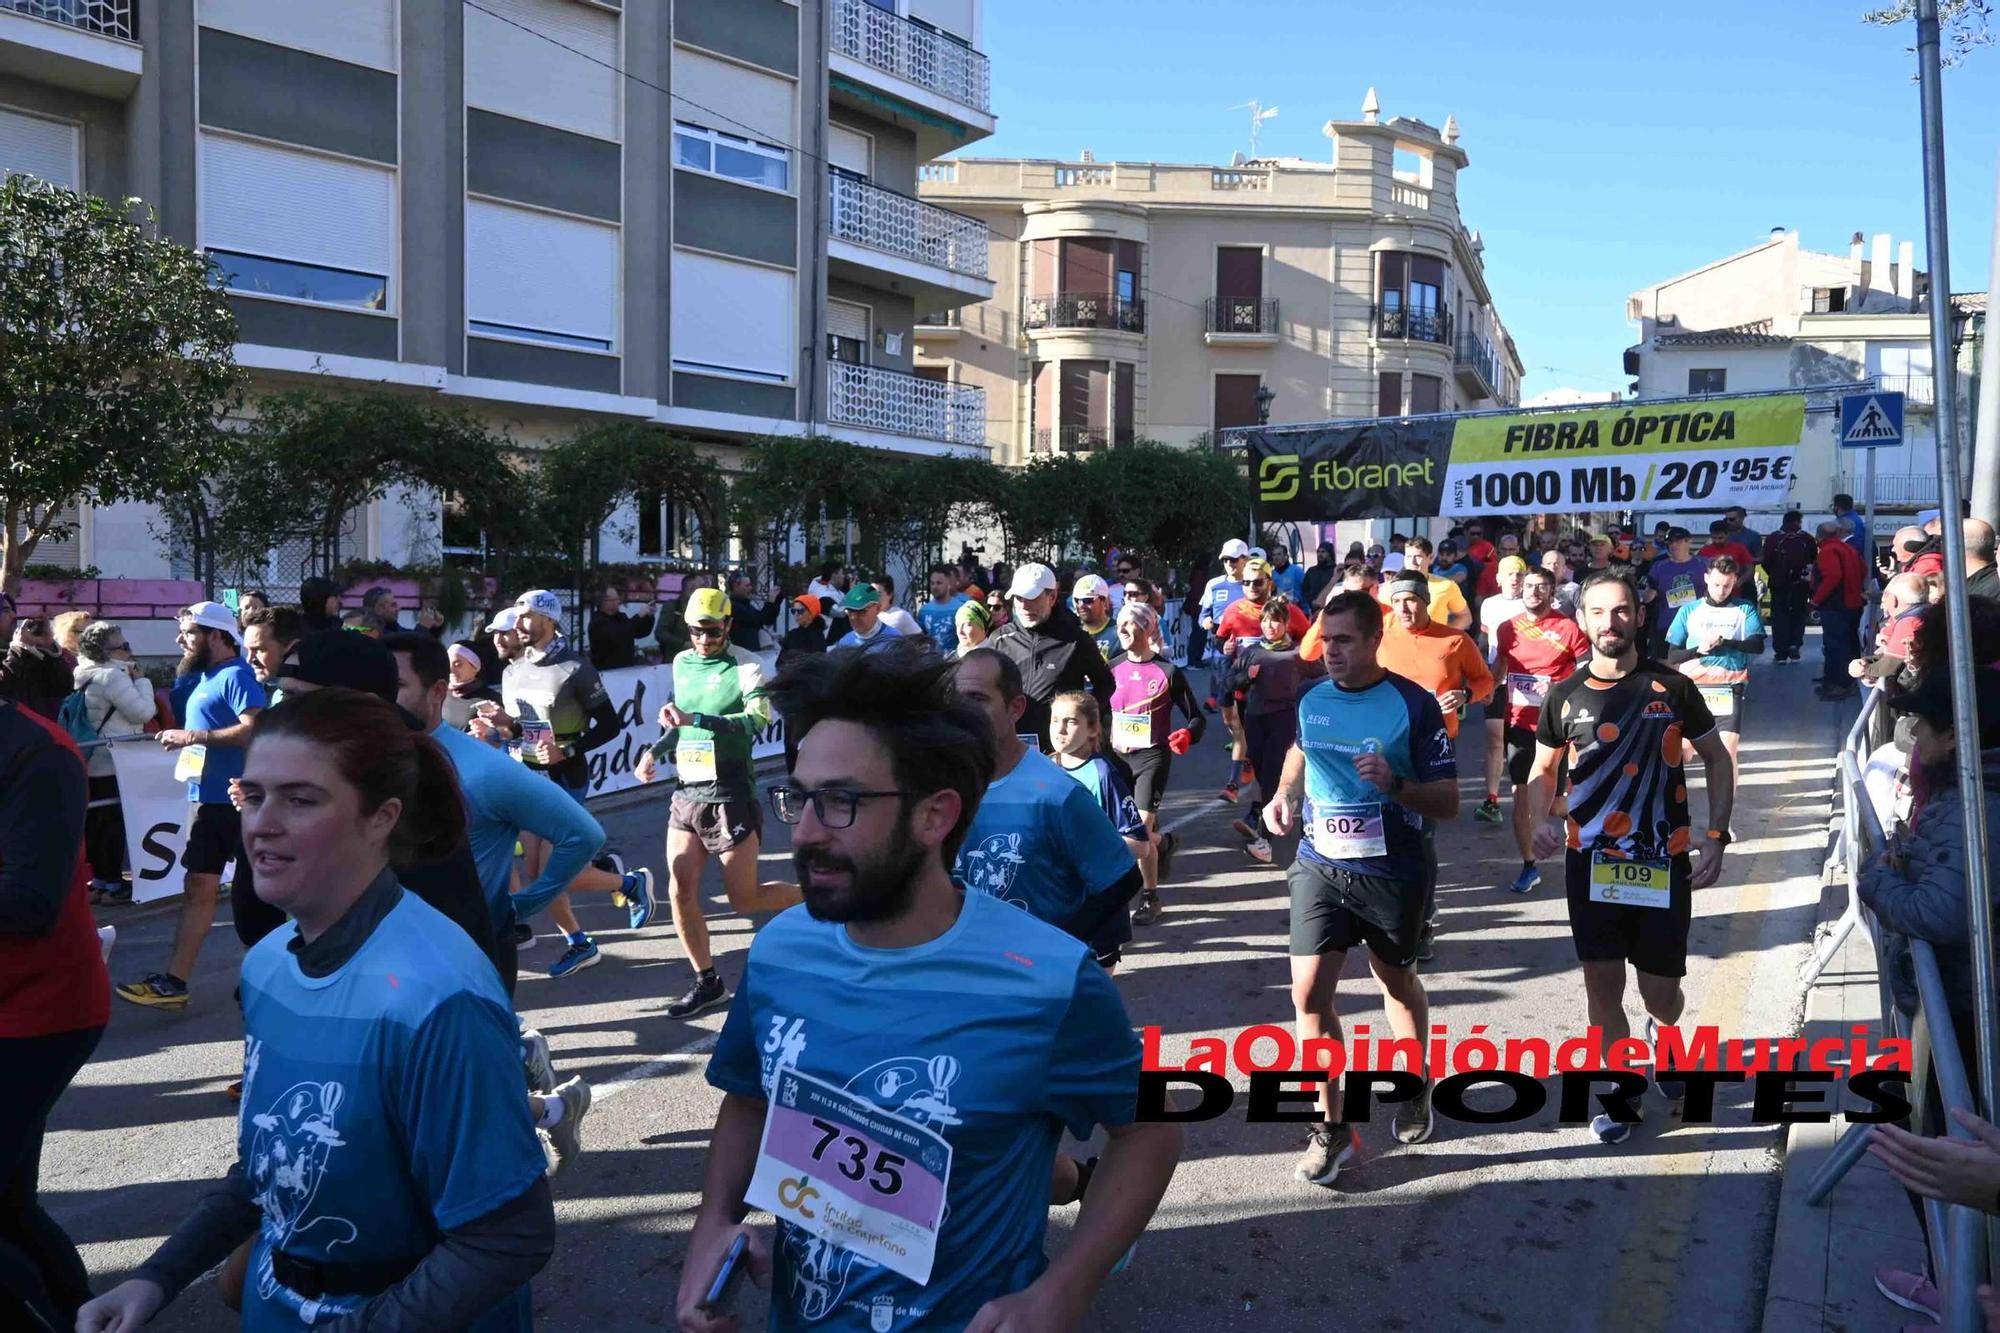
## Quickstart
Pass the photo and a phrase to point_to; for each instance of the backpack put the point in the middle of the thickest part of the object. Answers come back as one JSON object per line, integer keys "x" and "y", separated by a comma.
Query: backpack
{"x": 74, "y": 718}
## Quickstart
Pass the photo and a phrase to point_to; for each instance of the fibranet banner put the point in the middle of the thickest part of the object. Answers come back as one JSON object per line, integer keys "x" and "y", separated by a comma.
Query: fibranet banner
{"x": 1654, "y": 456}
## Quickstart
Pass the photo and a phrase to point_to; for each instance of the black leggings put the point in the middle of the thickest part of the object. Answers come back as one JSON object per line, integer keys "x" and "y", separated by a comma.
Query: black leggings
{"x": 104, "y": 830}
{"x": 252, "y": 916}
{"x": 42, "y": 1278}
{"x": 1269, "y": 737}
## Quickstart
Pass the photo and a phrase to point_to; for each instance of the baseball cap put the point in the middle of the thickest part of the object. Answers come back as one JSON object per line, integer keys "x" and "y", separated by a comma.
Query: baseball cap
{"x": 1930, "y": 699}
{"x": 862, "y": 596}
{"x": 1034, "y": 580}
{"x": 1513, "y": 564}
{"x": 707, "y": 604}
{"x": 334, "y": 659}
{"x": 506, "y": 619}
{"x": 214, "y": 615}
{"x": 1597, "y": 537}
{"x": 541, "y": 602}
{"x": 1234, "y": 549}
{"x": 1256, "y": 568}
{"x": 1257, "y": 553}
{"x": 1679, "y": 535}
{"x": 1088, "y": 586}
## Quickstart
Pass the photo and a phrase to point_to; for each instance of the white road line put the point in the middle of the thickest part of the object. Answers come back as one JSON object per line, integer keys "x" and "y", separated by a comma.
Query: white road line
{"x": 653, "y": 1068}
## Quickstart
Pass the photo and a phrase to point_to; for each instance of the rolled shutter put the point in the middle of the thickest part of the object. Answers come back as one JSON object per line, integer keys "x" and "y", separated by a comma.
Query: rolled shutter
{"x": 46, "y": 149}
{"x": 284, "y": 204}
{"x": 536, "y": 270}
{"x": 516, "y": 63}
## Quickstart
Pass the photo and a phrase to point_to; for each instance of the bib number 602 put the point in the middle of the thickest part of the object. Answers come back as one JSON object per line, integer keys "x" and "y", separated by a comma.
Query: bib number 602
{"x": 850, "y": 1158}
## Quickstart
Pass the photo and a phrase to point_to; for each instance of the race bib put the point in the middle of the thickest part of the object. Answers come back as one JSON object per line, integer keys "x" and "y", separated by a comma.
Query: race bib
{"x": 1679, "y": 597}
{"x": 1721, "y": 699}
{"x": 1526, "y": 691}
{"x": 1349, "y": 832}
{"x": 532, "y": 733}
{"x": 694, "y": 761}
{"x": 868, "y": 1181}
{"x": 1629, "y": 883}
{"x": 189, "y": 763}
{"x": 1131, "y": 731}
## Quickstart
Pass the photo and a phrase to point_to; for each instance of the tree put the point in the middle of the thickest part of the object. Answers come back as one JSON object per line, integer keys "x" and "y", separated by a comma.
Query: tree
{"x": 115, "y": 361}
{"x": 788, "y": 482}
{"x": 1043, "y": 508}
{"x": 586, "y": 479}
{"x": 1964, "y": 25}
{"x": 1169, "y": 504}
{"x": 926, "y": 498}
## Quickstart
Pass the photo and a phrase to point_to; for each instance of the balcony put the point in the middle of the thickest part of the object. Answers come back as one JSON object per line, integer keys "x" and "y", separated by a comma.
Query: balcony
{"x": 1477, "y": 367}
{"x": 874, "y": 398}
{"x": 1069, "y": 440}
{"x": 939, "y": 326}
{"x": 914, "y": 53}
{"x": 1901, "y": 491}
{"x": 934, "y": 256}
{"x": 1240, "y": 321}
{"x": 1430, "y": 326}
{"x": 1919, "y": 391}
{"x": 1085, "y": 310}
{"x": 86, "y": 46}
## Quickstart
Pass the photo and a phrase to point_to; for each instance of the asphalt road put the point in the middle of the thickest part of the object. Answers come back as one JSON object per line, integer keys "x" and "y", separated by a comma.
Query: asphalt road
{"x": 1529, "y": 1225}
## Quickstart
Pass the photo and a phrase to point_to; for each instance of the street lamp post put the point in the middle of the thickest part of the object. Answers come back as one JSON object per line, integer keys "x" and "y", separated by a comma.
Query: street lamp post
{"x": 1264, "y": 398}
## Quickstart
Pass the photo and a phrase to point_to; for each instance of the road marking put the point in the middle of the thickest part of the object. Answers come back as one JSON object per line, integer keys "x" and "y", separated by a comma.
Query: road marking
{"x": 653, "y": 1068}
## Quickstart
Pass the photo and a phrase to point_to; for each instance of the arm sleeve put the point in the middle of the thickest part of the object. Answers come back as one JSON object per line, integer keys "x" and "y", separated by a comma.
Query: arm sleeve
{"x": 755, "y": 712}
{"x": 243, "y": 692}
{"x": 462, "y": 1114}
{"x": 470, "y": 1270}
{"x": 1828, "y": 568}
{"x": 1093, "y": 1069}
{"x": 179, "y": 693}
{"x": 1927, "y": 899}
{"x": 1478, "y": 680}
{"x": 1453, "y": 603}
{"x": 596, "y": 700}
{"x": 220, "y": 1220}
{"x": 528, "y": 802}
{"x": 735, "y": 1066}
{"x": 133, "y": 700}
{"x": 1183, "y": 698}
{"x": 41, "y": 836}
{"x": 1548, "y": 730}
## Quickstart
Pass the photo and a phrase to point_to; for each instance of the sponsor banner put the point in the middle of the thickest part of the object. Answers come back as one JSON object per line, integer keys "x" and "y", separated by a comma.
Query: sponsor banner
{"x": 638, "y": 693}
{"x": 155, "y": 806}
{"x": 1664, "y": 456}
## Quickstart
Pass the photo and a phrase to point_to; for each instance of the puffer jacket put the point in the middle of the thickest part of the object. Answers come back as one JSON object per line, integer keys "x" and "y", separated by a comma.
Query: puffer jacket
{"x": 116, "y": 703}
{"x": 1055, "y": 656}
{"x": 1926, "y": 898}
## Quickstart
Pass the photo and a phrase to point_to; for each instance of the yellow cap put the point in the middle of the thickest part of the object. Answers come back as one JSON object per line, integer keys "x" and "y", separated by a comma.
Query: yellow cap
{"x": 1513, "y": 564}
{"x": 707, "y": 604}
{"x": 1255, "y": 569}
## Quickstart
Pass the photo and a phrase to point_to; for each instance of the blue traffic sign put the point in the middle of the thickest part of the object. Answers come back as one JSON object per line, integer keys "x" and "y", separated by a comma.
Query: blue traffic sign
{"x": 1871, "y": 420}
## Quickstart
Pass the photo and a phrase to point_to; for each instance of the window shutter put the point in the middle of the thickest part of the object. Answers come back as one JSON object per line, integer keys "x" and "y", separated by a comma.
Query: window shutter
{"x": 846, "y": 320}
{"x": 45, "y": 149}
{"x": 734, "y": 316}
{"x": 362, "y": 32}
{"x": 733, "y": 98}
{"x": 286, "y": 204}
{"x": 517, "y": 68}
{"x": 540, "y": 270}
{"x": 849, "y": 150}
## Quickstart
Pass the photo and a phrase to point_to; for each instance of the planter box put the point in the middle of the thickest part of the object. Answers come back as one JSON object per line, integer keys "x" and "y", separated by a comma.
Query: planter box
{"x": 109, "y": 599}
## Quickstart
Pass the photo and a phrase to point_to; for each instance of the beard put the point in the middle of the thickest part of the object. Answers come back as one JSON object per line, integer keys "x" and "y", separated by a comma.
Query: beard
{"x": 880, "y": 885}
{"x": 1614, "y": 642}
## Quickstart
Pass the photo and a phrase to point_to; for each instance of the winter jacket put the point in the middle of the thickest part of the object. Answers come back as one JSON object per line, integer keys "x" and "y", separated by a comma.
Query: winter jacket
{"x": 116, "y": 704}
{"x": 1054, "y": 656}
{"x": 35, "y": 679}
{"x": 1926, "y": 898}
{"x": 1789, "y": 556}
{"x": 1840, "y": 575}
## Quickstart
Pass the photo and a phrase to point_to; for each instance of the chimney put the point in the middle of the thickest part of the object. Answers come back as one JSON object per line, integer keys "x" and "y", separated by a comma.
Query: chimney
{"x": 1906, "y": 271}
{"x": 1855, "y": 251}
{"x": 1880, "y": 277}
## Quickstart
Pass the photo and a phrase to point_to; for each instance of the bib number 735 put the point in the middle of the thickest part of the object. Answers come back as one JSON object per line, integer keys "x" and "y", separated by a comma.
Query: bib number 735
{"x": 850, "y": 1158}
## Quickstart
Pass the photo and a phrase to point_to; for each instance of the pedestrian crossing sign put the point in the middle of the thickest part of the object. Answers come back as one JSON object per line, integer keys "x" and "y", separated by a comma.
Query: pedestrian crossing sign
{"x": 1871, "y": 420}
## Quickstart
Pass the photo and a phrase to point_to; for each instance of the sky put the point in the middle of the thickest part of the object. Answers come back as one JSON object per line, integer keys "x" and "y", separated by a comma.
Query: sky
{"x": 1611, "y": 146}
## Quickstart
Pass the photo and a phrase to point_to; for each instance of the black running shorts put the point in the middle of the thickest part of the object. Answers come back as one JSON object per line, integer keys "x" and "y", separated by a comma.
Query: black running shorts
{"x": 1652, "y": 939}
{"x": 1333, "y": 910}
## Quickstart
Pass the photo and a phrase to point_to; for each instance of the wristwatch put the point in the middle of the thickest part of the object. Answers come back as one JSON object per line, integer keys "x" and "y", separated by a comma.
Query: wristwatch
{"x": 1719, "y": 835}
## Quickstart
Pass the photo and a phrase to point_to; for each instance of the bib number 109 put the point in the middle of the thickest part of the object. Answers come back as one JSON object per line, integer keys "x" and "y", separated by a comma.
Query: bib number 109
{"x": 849, "y": 1155}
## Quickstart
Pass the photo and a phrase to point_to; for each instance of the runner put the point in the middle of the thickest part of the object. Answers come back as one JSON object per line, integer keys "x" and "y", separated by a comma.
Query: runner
{"x": 1216, "y": 597}
{"x": 710, "y": 727}
{"x": 377, "y": 1041}
{"x": 1048, "y": 647}
{"x": 1002, "y": 1034}
{"x": 1561, "y": 569}
{"x": 1091, "y": 599}
{"x": 1146, "y": 688}
{"x": 972, "y": 624}
{"x": 1675, "y": 580}
{"x": 894, "y": 616}
{"x": 1620, "y": 722}
{"x": 939, "y": 615}
{"x": 1287, "y": 579}
{"x": 468, "y": 686}
{"x": 1038, "y": 840}
{"x": 1240, "y": 626}
{"x": 1268, "y": 677}
{"x": 1377, "y": 768}
{"x": 1712, "y": 642}
{"x": 1080, "y": 752}
{"x": 1494, "y": 612}
{"x": 1447, "y": 603}
{"x": 1532, "y": 652}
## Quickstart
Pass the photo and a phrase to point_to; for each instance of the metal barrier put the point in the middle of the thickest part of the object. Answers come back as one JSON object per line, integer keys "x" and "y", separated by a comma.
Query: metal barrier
{"x": 1957, "y": 1234}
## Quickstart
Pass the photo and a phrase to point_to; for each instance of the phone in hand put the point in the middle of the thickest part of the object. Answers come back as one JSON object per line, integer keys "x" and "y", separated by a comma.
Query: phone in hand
{"x": 728, "y": 1277}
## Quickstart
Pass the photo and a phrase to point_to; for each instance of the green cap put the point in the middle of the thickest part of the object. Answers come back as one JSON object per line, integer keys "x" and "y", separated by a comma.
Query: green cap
{"x": 861, "y": 596}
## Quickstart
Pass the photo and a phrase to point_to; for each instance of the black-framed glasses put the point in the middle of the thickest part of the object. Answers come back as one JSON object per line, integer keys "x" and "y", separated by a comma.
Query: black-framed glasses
{"x": 707, "y": 632}
{"x": 833, "y": 807}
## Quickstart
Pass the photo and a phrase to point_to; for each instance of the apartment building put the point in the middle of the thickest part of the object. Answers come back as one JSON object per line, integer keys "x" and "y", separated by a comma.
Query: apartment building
{"x": 701, "y": 214}
{"x": 1780, "y": 316}
{"x": 1148, "y": 300}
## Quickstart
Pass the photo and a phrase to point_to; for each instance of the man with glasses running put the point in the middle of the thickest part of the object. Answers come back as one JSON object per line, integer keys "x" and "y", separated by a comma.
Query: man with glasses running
{"x": 1621, "y": 722}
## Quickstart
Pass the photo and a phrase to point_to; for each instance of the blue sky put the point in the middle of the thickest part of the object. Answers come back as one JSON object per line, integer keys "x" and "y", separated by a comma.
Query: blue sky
{"x": 1606, "y": 153}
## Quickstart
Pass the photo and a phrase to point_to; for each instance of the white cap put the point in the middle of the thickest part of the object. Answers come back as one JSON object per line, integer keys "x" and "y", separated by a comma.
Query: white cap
{"x": 1234, "y": 549}
{"x": 1088, "y": 586}
{"x": 504, "y": 620}
{"x": 216, "y": 616}
{"x": 1256, "y": 553}
{"x": 1032, "y": 581}
{"x": 541, "y": 602}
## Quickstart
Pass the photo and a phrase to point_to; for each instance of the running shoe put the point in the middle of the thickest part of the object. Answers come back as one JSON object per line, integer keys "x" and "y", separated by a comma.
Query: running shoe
{"x": 638, "y": 896}
{"x": 1607, "y": 1130}
{"x": 157, "y": 990}
{"x": 1243, "y": 829}
{"x": 1328, "y": 1148}
{"x": 524, "y": 935}
{"x": 700, "y": 998}
{"x": 1673, "y": 1089}
{"x": 1414, "y": 1118}
{"x": 106, "y": 937}
{"x": 1912, "y": 1291}
{"x": 1208, "y": 704}
{"x": 567, "y": 1136}
{"x": 536, "y": 1064}
{"x": 1169, "y": 844}
{"x": 1526, "y": 882}
{"x": 1229, "y": 792}
{"x": 1259, "y": 849}
{"x": 1487, "y": 811}
{"x": 1148, "y": 910}
{"x": 579, "y": 955}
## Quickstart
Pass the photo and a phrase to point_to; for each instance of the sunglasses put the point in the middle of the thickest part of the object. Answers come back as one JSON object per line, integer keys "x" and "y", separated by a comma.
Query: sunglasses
{"x": 707, "y": 632}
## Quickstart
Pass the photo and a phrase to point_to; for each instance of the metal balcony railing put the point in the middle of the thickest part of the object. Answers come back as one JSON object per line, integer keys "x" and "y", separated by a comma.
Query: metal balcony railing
{"x": 1476, "y": 352}
{"x": 1894, "y": 490}
{"x": 1242, "y": 314}
{"x": 113, "y": 18}
{"x": 940, "y": 319}
{"x": 913, "y": 51}
{"x": 898, "y": 225}
{"x": 1086, "y": 310}
{"x": 1070, "y": 440}
{"x": 1421, "y": 325}
{"x": 875, "y": 398}
{"x": 1917, "y": 390}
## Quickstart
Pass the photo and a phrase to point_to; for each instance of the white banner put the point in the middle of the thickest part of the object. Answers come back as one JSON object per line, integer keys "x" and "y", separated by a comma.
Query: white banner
{"x": 155, "y": 806}
{"x": 638, "y": 693}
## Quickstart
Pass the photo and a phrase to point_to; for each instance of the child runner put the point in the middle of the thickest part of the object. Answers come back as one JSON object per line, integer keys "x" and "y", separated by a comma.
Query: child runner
{"x": 1078, "y": 741}
{"x": 1146, "y": 688}
{"x": 1269, "y": 676}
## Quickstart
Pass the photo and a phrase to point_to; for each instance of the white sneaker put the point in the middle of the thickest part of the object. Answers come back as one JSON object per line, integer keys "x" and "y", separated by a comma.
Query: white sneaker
{"x": 1259, "y": 849}
{"x": 1603, "y": 1128}
{"x": 567, "y": 1136}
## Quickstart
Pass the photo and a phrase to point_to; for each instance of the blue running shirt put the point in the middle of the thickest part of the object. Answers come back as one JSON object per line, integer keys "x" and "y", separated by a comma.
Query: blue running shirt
{"x": 999, "y": 1034}
{"x": 1041, "y": 842}
{"x": 382, "y": 1105}
{"x": 220, "y": 698}
{"x": 940, "y": 621}
{"x": 1396, "y": 718}
{"x": 1113, "y": 794}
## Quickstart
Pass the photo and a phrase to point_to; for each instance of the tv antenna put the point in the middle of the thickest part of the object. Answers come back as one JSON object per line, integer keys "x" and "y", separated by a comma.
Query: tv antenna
{"x": 1259, "y": 113}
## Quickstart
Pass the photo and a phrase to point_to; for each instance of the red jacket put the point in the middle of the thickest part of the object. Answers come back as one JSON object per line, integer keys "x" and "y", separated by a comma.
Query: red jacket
{"x": 1839, "y": 573}
{"x": 52, "y": 976}
{"x": 1735, "y": 550}
{"x": 1930, "y": 562}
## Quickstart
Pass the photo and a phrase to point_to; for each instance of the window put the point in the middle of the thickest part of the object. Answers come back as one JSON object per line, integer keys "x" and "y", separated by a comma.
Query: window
{"x": 362, "y": 32}
{"x": 1389, "y": 394}
{"x": 850, "y": 152}
{"x": 847, "y": 333}
{"x": 1829, "y": 300}
{"x": 734, "y": 318}
{"x": 552, "y": 62}
{"x": 1121, "y": 403}
{"x": 660, "y": 527}
{"x": 45, "y": 149}
{"x": 540, "y": 276}
{"x": 1426, "y": 394}
{"x": 1409, "y": 296}
{"x": 305, "y": 226}
{"x": 737, "y": 99}
{"x": 698, "y": 148}
{"x": 463, "y": 542}
{"x": 1236, "y": 401}
{"x": 1708, "y": 381}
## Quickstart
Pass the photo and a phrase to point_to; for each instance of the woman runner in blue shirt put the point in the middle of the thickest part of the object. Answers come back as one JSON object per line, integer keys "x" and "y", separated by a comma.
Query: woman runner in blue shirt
{"x": 385, "y": 1162}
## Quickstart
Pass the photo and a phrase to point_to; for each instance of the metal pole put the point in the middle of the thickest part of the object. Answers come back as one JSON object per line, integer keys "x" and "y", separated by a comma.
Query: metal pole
{"x": 1868, "y": 507}
{"x": 1986, "y": 447}
{"x": 1965, "y": 716}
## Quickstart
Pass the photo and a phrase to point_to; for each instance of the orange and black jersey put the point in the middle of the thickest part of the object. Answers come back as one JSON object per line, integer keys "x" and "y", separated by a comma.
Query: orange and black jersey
{"x": 1628, "y": 794}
